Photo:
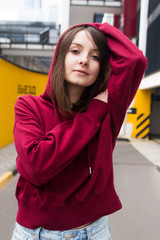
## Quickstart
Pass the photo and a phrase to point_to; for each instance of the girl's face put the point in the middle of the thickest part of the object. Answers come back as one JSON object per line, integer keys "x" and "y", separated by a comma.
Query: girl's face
{"x": 82, "y": 61}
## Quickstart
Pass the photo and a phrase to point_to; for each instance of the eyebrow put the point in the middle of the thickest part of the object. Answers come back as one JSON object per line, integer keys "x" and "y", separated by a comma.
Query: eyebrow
{"x": 78, "y": 44}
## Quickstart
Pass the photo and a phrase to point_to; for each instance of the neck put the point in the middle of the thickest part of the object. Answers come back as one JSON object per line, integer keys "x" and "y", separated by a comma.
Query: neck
{"x": 74, "y": 92}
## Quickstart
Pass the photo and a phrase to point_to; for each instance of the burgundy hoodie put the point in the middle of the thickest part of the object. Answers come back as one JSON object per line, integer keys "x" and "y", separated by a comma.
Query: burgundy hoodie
{"x": 56, "y": 189}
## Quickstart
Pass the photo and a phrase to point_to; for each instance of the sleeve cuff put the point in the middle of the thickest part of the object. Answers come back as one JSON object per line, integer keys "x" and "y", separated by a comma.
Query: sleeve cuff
{"x": 97, "y": 109}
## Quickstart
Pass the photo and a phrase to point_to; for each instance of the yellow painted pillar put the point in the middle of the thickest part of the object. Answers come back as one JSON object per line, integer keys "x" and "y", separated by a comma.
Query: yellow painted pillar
{"x": 139, "y": 115}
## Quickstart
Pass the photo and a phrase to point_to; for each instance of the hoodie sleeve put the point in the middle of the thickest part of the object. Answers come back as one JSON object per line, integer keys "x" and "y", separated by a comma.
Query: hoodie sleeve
{"x": 41, "y": 156}
{"x": 127, "y": 68}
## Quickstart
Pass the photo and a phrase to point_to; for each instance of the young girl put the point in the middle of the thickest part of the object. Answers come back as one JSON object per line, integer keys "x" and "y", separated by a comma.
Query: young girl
{"x": 65, "y": 137}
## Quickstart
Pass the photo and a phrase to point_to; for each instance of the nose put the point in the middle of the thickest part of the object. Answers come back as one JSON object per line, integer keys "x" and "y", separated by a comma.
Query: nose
{"x": 84, "y": 61}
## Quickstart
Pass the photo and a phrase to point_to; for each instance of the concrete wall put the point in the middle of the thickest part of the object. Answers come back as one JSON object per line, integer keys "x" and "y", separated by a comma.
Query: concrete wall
{"x": 85, "y": 14}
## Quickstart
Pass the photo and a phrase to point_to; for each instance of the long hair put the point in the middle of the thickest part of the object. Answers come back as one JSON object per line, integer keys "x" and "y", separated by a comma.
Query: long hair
{"x": 59, "y": 87}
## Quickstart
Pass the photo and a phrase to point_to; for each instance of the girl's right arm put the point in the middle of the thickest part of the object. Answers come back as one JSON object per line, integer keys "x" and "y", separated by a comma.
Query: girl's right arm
{"x": 41, "y": 156}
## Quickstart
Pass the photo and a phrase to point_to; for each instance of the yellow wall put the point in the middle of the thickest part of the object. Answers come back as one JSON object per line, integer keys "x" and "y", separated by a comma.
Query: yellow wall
{"x": 140, "y": 120}
{"x": 15, "y": 81}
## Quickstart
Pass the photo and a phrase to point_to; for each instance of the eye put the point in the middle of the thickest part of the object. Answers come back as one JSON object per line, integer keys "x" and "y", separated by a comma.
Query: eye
{"x": 95, "y": 57}
{"x": 75, "y": 51}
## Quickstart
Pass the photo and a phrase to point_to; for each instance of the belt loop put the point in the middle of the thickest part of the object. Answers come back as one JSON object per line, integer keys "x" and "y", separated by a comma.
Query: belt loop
{"x": 89, "y": 233}
{"x": 37, "y": 233}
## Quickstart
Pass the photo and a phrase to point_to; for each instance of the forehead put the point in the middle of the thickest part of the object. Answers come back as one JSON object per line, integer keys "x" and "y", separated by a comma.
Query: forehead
{"x": 84, "y": 38}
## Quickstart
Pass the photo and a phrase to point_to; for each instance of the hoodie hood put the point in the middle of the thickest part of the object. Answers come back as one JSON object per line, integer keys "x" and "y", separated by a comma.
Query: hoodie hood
{"x": 118, "y": 50}
{"x": 122, "y": 53}
{"x": 48, "y": 94}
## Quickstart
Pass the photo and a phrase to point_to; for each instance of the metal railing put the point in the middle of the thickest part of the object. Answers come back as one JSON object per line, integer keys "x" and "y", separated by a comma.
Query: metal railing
{"x": 31, "y": 33}
{"x": 97, "y": 2}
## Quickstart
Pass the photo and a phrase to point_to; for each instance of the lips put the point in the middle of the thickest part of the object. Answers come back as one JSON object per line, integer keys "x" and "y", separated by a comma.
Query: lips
{"x": 81, "y": 72}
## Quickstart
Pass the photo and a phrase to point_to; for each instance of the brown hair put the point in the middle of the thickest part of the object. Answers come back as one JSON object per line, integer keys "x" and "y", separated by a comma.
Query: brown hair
{"x": 58, "y": 82}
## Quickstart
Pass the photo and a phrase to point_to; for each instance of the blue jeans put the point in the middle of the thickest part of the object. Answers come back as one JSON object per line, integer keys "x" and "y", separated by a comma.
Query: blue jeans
{"x": 98, "y": 230}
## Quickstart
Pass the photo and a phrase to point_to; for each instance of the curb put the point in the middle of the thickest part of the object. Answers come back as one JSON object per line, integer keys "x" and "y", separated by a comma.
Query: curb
{"x": 123, "y": 139}
{"x": 7, "y": 176}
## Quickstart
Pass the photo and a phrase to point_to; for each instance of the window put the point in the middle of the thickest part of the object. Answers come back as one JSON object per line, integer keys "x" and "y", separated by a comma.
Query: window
{"x": 36, "y": 4}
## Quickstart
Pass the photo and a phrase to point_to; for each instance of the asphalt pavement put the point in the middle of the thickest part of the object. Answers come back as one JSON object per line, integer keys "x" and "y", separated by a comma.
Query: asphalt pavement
{"x": 137, "y": 182}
